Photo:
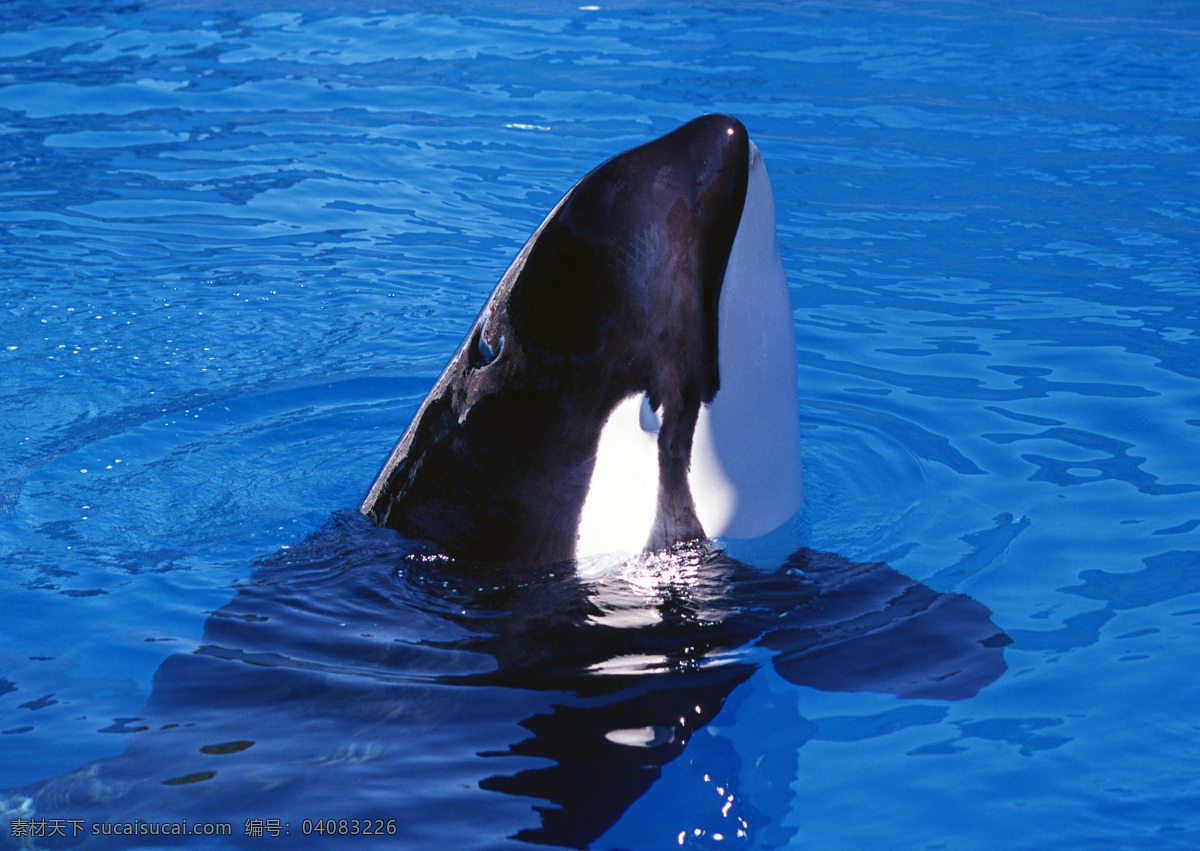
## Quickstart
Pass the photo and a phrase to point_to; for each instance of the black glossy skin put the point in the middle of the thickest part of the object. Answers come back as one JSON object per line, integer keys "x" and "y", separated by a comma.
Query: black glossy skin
{"x": 615, "y": 294}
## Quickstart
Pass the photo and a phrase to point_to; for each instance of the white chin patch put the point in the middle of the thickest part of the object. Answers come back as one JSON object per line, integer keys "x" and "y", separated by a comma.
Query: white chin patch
{"x": 618, "y": 514}
{"x": 745, "y": 470}
{"x": 745, "y": 465}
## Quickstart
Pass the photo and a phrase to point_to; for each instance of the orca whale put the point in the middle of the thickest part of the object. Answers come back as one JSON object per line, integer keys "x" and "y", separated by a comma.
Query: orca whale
{"x": 629, "y": 385}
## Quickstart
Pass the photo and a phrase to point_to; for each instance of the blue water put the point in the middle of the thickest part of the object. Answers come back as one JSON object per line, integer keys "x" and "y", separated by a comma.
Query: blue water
{"x": 239, "y": 240}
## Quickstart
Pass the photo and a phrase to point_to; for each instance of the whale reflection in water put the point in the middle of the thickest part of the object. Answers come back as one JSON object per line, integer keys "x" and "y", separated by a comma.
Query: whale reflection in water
{"x": 401, "y": 691}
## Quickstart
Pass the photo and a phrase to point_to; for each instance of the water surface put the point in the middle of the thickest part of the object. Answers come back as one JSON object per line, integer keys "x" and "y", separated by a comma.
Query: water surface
{"x": 238, "y": 242}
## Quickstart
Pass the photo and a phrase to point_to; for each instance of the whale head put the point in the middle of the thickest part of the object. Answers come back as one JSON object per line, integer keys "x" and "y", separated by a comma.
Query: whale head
{"x": 630, "y": 383}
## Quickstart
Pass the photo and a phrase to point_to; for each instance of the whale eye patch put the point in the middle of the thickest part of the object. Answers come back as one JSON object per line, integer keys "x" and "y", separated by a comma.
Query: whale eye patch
{"x": 482, "y": 353}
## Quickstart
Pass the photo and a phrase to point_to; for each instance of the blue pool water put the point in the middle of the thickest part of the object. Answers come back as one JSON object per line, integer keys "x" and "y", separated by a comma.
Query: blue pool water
{"x": 239, "y": 240}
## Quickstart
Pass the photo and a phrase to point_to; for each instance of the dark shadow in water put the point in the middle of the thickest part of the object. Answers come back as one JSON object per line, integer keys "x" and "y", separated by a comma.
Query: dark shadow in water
{"x": 349, "y": 682}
